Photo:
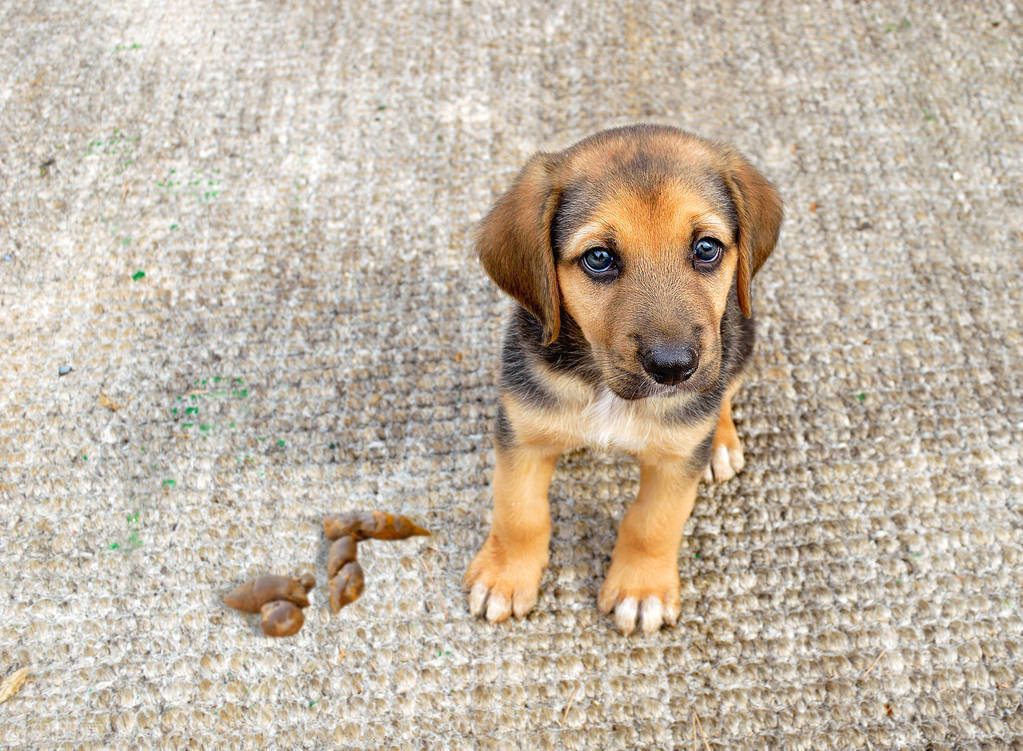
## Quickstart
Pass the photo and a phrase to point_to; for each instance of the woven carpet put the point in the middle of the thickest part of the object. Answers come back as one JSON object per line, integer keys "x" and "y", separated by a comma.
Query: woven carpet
{"x": 237, "y": 293}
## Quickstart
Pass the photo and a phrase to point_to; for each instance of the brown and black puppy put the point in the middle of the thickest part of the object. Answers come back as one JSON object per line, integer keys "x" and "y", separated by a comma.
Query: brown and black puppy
{"x": 630, "y": 255}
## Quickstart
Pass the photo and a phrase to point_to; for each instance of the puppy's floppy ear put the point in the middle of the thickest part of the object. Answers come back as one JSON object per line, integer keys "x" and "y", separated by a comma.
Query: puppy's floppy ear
{"x": 514, "y": 242}
{"x": 760, "y": 214}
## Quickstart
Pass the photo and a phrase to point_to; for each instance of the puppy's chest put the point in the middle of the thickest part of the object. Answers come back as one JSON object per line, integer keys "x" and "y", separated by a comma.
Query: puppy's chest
{"x": 612, "y": 422}
{"x": 637, "y": 427}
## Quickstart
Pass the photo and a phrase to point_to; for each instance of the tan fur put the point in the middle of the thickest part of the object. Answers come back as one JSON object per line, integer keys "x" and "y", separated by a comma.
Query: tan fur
{"x": 656, "y": 234}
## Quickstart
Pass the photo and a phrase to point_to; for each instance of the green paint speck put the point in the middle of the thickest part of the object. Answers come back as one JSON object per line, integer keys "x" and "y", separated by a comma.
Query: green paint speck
{"x": 138, "y": 275}
{"x": 174, "y": 226}
{"x": 113, "y": 546}
{"x": 696, "y": 555}
{"x": 125, "y": 241}
{"x": 205, "y": 428}
{"x": 332, "y": 447}
{"x": 860, "y": 397}
{"x": 169, "y": 483}
{"x": 280, "y": 442}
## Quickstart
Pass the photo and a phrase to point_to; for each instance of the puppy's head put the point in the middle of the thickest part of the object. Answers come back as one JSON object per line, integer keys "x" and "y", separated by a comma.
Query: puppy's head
{"x": 639, "y": 234}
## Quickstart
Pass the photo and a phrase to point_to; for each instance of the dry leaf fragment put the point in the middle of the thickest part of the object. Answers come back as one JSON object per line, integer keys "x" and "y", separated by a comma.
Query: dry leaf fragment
{"x": 106, "y": 401}
{"x": 12, "y": 684}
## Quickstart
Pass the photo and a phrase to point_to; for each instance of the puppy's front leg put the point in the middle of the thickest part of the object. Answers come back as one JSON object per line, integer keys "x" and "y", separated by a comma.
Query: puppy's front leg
{"x": 642, "y": 584}
{"x": 504, "y": 577}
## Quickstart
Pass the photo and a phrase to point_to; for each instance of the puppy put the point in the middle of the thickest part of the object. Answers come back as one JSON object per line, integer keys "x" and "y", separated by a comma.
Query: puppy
{"x": 630, "y": 255}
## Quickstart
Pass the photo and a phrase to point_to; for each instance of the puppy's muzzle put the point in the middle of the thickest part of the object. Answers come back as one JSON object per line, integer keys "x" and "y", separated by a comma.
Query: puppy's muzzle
{"x": 670, "y": 364}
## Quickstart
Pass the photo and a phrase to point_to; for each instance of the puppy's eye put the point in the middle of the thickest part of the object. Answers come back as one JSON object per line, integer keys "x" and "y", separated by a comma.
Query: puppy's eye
{"x": 706, "y": 252}
{"x": 599, "y": 263}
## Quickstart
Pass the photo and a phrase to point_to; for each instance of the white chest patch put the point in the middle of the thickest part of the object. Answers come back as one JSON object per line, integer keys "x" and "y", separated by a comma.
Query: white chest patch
{"x": 613, "y": 422}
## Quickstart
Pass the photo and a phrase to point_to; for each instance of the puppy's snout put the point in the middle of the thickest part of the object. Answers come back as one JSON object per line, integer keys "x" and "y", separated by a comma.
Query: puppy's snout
{"x": 670, "y": 364}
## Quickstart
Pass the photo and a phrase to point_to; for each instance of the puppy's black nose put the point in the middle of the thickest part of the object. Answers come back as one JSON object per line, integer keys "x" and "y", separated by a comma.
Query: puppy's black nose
{"x": 670, "y": 364}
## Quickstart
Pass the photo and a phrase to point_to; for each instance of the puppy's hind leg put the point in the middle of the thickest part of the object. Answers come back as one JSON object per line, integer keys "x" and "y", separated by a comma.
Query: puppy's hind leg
{"x": 726, "y": 457}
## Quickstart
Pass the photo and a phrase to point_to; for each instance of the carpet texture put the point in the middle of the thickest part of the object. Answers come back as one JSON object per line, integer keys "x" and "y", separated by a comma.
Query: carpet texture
{"x": 242, "y": 231}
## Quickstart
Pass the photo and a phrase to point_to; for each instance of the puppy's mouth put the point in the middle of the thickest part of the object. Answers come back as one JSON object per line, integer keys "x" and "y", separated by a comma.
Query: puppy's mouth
{"x": 631, "y": 385}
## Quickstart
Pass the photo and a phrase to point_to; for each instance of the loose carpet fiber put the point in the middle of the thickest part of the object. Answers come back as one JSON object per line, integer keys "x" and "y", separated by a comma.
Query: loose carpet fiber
{"x": 242, "y": 231}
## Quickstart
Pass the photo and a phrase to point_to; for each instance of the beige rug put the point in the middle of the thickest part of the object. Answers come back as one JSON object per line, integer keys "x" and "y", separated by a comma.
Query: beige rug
{"x": 245, "y": 230}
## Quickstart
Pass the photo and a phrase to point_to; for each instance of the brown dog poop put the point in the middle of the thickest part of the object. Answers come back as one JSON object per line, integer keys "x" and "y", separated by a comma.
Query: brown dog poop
{"x": 343, "y": 569}
{"x": 278, "y": 599}
{"x": 253, "y": 594}
{"x": 364, "y": 525}
{"x": 346, "y": 587}
{"x": 281, "y": 618}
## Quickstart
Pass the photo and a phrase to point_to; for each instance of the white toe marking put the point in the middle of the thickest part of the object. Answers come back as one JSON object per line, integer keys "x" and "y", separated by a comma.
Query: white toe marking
{"x": 477, "y": 597}
{"x": 708, "y": 476}
{"x": 671, "y": 611}
{"x": 722, "y": 464}
{"x": 650, "y": 614}
{"x": 738, "y": 461}
{"x": 498, "y": 607}
{"x": 625, "y": 615}
{"x": 522, "y": 603}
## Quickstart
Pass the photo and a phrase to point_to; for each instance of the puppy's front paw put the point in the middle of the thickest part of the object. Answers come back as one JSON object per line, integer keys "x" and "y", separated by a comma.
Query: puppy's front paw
{"x": 726, "y": 457}
{"x": 501, "y": 583}
{"x": 641, "y": 590}
{"x": 725, "y": 463}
